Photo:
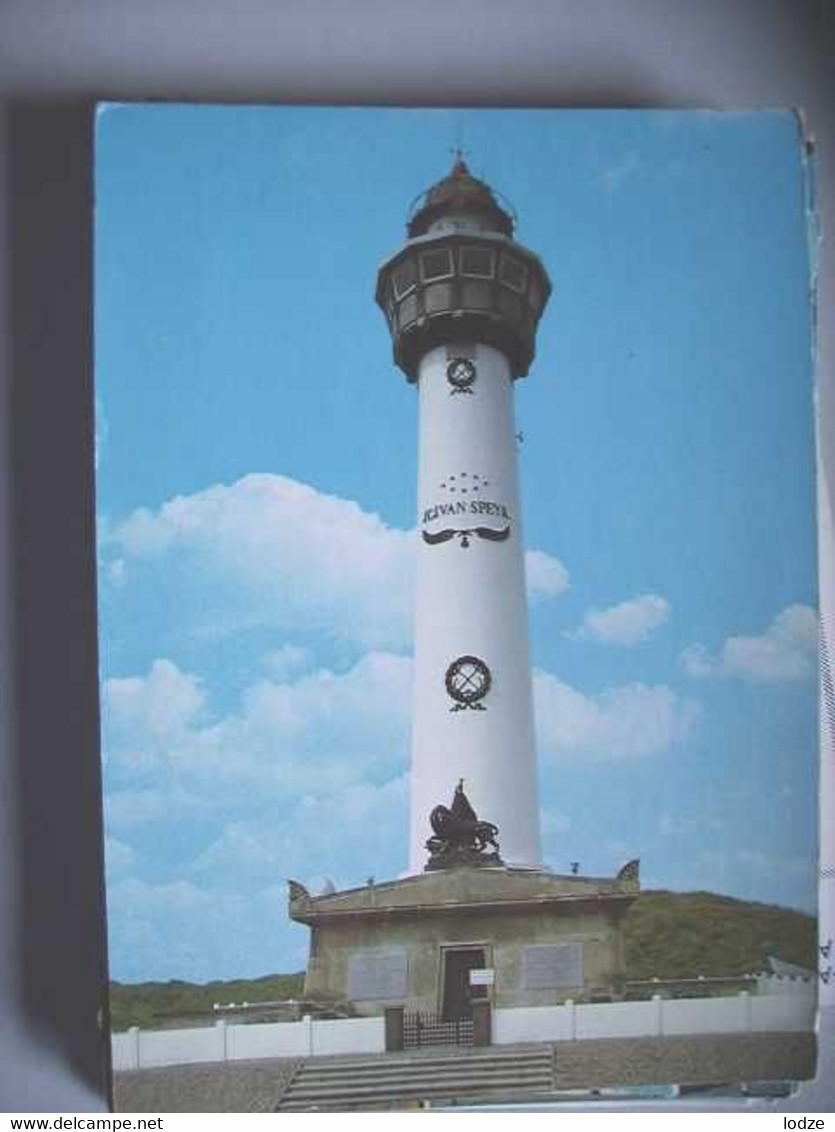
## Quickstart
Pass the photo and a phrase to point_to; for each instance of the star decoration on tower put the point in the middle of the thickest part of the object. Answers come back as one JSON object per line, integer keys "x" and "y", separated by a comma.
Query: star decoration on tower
{"x": 465, "y": 483}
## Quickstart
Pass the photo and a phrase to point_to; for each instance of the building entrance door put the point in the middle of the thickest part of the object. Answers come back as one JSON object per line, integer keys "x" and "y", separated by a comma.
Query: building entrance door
{"x": 458, "y": 995}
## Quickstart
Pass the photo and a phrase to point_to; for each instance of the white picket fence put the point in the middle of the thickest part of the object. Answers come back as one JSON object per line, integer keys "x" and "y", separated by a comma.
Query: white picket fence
{"x": 656, "y": 1018}
{"x": 141, "y": 1049}
{"x": 742, "y": 1014}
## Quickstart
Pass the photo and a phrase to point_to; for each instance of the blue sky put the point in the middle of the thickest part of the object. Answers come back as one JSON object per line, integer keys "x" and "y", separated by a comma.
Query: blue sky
{"x": 256, "y": 496}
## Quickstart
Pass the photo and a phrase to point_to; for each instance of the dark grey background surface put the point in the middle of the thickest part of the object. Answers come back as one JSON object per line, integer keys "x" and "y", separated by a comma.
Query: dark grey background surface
{"x": 56, "y": 59}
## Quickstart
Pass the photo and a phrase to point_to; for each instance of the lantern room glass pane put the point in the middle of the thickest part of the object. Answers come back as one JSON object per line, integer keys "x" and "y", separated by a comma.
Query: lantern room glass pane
{"x": 438, "y": 297}
{"x": 405, "y": 277}
{"x": 477, "y": 296}
{"x": 408, "y": 311}
{"x": 510, "y": 306}
{"x": 436, "y": 264}
{"x": 480, "y": 262}
{"x": 513, "y": 273}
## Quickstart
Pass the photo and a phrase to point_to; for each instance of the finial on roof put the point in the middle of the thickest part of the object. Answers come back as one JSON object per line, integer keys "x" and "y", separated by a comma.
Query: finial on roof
{"x": 459, "y": 166}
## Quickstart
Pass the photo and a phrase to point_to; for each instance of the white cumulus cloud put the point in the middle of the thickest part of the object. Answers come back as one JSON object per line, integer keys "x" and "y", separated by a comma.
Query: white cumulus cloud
{"x": 304, "y": 778}
{"x": 225, "y": 913}
{"x": 135, "y": 807}
{"x": 323, "y": 728}
{"x": 324, "y": 732}
{"x": 625, "y": 624}
{"x": 146, "y": 716}
{"x": 289, "y": 660}
{"x": 546, "y": 575}
{"x": 787, "y": 650}
{"x": 622, "y": 722}
{"x": 179, "y": 929}
{"x": 268, "y": 551}
{"x": 345, "y": 835}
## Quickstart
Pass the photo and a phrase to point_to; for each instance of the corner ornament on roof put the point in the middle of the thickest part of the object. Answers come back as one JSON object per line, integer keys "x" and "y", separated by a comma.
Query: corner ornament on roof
{"x": 298, "y": 893}
{"x": 629, "y": 877}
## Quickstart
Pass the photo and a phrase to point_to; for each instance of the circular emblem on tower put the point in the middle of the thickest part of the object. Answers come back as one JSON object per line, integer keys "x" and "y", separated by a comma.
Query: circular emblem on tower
{"x": 468, "y": 681}
{"x": 461, "y": 375}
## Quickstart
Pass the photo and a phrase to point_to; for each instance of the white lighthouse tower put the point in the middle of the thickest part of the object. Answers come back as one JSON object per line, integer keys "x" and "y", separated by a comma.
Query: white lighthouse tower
{"x": 463, "y": 300}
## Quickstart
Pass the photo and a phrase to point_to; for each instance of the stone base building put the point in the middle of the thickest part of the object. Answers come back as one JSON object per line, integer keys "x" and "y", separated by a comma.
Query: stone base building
{"x": 536, "y": 938}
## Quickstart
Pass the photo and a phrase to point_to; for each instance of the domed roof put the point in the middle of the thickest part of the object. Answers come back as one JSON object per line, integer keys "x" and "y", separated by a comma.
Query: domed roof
{"x": 459, "y": 192}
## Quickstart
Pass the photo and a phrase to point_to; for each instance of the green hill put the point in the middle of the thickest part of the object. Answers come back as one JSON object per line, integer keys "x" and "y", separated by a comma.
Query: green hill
{"x": 669, "y": 935}
{"x": 147, "y": 1005}
{"x": 673, "y": 935}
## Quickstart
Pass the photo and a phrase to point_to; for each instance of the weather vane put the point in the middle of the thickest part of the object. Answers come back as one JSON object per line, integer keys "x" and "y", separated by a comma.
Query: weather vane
{"x": 458, "y": 151}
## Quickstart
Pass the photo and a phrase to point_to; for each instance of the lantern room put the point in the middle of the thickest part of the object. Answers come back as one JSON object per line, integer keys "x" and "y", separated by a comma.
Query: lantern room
{"x": 461, "y": 277}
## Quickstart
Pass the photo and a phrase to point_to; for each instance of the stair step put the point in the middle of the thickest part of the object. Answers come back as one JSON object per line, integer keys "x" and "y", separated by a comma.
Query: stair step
{"x": 427, "y": 1068}
{"x": 306, "y": 1086}
{"x": 425, "y": 1092}
{"x": 402, "y": 1077}
{"x": 304, "y": 1094}
{"x": 433, "y": 1075}
{"x": 413, "y": 1073}
{"x": 446, "y": 1099}
{"x": 335, "y": 1081}
{"x": 421, "y": 1057}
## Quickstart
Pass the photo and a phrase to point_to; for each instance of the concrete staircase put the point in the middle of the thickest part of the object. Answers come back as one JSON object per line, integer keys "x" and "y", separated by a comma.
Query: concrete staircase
{"x": 403, "y": 1080}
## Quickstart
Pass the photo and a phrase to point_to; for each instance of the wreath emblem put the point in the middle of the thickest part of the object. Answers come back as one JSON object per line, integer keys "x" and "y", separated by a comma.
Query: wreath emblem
{"x": 468, "y": 681}
{"x": 460, "y": 373}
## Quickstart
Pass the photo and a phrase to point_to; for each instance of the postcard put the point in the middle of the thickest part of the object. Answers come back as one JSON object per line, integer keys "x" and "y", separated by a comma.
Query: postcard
{"x": 457, "y": 601}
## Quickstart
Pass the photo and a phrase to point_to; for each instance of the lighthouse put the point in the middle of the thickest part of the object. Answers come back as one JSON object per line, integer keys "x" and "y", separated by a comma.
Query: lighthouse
{"x": 477, "y": 922}
{"x": 463, "y": 299}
